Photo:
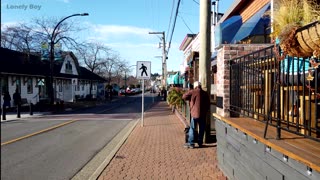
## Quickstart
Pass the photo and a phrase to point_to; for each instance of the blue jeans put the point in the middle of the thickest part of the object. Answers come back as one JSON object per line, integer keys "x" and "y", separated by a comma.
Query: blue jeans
{"x": 193, "y": 129}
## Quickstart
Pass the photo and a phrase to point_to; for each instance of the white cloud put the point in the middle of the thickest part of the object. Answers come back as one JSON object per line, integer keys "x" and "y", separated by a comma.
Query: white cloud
{"x": 132, "y": 45}
{"x": 65, "y": 1}
{"x": 7, "y": 24}
{"x": 107, "y": 30}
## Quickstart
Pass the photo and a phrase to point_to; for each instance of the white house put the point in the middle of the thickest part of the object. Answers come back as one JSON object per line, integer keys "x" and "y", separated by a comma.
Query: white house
{"x": 31, "y": 77}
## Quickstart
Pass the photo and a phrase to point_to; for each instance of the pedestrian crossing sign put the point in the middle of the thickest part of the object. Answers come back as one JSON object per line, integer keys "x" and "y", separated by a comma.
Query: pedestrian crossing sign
{"x": 143, "y": 69}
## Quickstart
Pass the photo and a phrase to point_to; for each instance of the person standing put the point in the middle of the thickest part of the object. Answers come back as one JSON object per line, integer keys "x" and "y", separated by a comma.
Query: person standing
{"x": 6, "y": 100}
{"x": 199, "y": 105}
{"x": 17, "y": 101}
{"x": 16, "y": 98}
{"x": 164, "y": 93}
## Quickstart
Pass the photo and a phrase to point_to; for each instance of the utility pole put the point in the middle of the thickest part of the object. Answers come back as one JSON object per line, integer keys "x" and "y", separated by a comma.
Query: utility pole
{"x": 164, "y": 59}
{"x": 205, "y": 55}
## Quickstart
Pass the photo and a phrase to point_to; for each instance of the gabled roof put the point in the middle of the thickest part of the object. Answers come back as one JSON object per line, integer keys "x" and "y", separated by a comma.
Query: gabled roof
{"x": 86, "y": 74}
{"x": 14, "y": 62}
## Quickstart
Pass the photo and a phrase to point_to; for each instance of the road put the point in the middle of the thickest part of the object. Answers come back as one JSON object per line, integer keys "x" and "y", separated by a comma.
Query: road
{"x": 59, "y": 146}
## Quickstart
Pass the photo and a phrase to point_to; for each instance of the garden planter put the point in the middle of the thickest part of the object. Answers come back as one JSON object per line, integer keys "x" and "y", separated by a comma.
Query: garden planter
{"x": 305, "y": 42}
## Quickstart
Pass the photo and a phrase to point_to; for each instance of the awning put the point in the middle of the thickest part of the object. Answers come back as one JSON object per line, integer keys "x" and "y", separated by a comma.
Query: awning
{"x": 214, "y": 58}
{"x": 256, "y": 25}
{"x": 175, "y": 79}
{"x": 214, "y": 55}
{"x": 192, "y": 57}
{"x": 225, "y": 31}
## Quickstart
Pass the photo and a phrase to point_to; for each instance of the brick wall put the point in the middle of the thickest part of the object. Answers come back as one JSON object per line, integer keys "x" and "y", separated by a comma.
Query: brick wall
{"x": 225, "y": 54}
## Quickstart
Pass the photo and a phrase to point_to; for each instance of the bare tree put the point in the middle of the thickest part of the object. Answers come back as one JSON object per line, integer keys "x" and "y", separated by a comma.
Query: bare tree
{"x": 28, "y": 37}
{"x": 119, "y": 71}
{"x": 94, "y": 56}
{"x": 110, "y": 66}
{"x": 21, "y": 37}
{"x": 62, "y": 33}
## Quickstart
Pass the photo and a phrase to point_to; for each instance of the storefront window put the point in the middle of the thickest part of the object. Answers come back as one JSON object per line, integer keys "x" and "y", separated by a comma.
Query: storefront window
{"x": 30, "y": 86}
{"x": 18, "y": 84}
{"x": 4, "y": 84}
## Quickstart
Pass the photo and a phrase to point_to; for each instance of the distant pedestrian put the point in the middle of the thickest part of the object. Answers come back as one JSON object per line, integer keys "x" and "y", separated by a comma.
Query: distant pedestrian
{"x": 164, "y": 93}
{"x": 16, "y": 98}
{"x": 6, "y": 100}
{"x": 199, "y": 106}
{"x": 110, "y": 92}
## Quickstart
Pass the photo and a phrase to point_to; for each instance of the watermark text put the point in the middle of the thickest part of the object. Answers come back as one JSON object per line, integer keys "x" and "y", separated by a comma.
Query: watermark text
{"x": 23, "y": 7}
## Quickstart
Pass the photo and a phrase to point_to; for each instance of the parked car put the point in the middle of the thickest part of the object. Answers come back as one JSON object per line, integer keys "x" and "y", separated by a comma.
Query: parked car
{"x": 122, "y": 92}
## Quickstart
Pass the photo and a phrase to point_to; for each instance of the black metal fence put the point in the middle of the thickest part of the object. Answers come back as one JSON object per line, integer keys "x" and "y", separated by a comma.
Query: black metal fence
{"x": 280, "y": 91}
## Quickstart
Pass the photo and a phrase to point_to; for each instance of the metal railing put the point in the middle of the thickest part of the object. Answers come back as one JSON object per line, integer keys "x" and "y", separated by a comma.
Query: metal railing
{"x": 279, "y": 91}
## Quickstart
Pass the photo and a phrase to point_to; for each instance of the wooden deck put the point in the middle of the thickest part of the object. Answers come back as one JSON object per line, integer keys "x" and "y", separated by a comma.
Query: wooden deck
{"x": 304, "y": 150}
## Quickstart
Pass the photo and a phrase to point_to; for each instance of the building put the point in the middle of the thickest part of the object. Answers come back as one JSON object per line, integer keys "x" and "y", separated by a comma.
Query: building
{"x": 30, "y": 76}
{"x": 259, "y": 134}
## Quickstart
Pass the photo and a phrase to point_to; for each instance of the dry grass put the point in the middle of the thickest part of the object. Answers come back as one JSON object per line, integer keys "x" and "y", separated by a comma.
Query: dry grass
{"x": 293, "y": 13}
{"x": 288, "y": 16}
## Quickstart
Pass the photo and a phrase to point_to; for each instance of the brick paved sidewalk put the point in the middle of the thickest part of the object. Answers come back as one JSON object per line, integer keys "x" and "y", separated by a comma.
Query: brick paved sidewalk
{"x": 156, "y": 151}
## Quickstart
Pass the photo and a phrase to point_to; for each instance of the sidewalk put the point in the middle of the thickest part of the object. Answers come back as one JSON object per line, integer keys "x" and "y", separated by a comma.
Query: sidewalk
{"x": 156, "y": 151}
{"x": 10, "y": 116}
{"x": 72, "y": 107}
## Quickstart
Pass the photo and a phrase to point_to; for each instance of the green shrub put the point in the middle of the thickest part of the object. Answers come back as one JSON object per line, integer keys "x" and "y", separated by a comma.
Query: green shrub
{"x": 175, "y": 97}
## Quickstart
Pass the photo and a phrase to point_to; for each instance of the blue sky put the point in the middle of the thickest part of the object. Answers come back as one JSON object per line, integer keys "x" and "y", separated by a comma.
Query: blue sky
{"x": 123, "y": 25}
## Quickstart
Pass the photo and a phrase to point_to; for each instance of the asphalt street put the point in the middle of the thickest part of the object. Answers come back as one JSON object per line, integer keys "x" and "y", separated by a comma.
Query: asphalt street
{"x": 62, "y": 152}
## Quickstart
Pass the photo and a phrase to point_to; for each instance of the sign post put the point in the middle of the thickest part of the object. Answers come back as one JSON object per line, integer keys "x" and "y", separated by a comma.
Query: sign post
{"x": 142, "y": 108}
{"x": 143, "y": 72}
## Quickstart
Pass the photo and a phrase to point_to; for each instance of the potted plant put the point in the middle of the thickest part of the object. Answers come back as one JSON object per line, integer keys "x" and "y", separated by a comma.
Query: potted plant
{"x": 296, "y": 23}
{"x": 175, "y": 97}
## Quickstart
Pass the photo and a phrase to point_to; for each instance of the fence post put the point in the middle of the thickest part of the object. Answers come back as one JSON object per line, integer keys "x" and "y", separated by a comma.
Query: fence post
{"x": 31, "y": 108}
{"x": 4, "y": 113}
{"x": 18, "y": 110}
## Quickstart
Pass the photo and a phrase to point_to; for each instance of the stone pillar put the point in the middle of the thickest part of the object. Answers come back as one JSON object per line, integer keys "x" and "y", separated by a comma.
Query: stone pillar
{"x": 223, "y": 87}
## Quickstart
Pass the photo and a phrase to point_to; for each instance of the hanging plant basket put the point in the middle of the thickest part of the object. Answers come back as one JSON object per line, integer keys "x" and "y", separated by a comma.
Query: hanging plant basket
{"x": 302, "y": 41}
{"x": 309, "y": 37}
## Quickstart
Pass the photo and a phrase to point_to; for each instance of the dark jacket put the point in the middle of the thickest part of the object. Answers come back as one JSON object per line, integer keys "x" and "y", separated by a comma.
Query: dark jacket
{"x": 6, "y": 99}
{"x": 199, "y": 102}
{"x": 16, "y": 98}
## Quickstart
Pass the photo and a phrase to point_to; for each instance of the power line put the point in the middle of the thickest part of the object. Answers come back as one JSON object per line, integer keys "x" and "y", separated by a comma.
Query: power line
{"x": 184, "y": 22}
{"x": 196, "y": 2}
{"x": 174, "y": 24}
{"x": 170, "y": 17}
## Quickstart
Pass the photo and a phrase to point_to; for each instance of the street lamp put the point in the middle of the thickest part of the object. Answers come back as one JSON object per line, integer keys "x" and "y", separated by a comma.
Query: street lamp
{"x": 52, "y": 42}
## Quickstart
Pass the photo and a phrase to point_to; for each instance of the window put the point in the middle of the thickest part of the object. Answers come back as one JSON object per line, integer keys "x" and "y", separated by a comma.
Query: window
{"x": 60, "y": 86}
{"x": 18, "y": 84}
{"x": 4, "y": 84}
{"x": 68, "y": 67}
{"x": 29, "y": 86}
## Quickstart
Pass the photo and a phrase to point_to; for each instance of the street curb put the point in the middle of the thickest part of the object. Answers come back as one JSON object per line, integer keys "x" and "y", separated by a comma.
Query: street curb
{"x": 99, "y": 162}
{"x": 26, "y": 117}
